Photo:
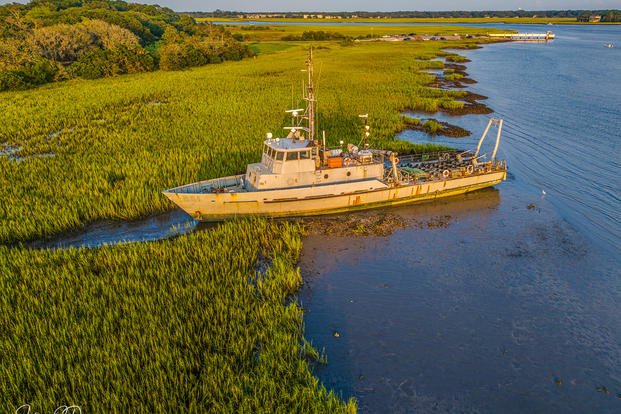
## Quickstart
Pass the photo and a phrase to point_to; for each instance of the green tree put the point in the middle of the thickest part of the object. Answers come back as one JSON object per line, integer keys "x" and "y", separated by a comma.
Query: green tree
{"x": 107, "y": 36}
{"x": 63, "y": 43}
{"x": 175, "y": 56}
{"x": 119, "y": 60}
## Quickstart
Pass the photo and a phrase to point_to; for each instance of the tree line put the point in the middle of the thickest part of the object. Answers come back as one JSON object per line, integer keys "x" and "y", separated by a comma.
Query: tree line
{"x": 53, "y": 40}
{"x": 606, "y": 14}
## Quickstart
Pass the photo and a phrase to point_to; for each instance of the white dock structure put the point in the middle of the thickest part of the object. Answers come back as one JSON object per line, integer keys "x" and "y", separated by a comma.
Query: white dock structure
{"x": 524, "y": 37}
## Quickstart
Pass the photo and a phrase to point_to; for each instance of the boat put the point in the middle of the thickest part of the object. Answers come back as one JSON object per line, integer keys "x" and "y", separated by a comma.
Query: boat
{"x": 525, "y": 37}
{"x": 298, "y": 175}
{"x": 609, "y": 45}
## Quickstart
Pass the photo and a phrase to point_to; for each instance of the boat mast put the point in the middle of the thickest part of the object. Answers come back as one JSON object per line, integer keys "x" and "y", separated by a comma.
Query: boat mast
{"x": 310, "y": 96}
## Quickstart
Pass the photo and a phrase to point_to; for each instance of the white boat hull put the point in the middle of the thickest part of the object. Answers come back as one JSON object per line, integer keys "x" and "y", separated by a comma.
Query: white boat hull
{"x": 324, "y": 199}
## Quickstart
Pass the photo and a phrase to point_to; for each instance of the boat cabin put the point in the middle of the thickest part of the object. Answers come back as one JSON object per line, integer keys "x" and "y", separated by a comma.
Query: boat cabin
{"x": 287, "y": 155}
{"x": 289, "y": 162}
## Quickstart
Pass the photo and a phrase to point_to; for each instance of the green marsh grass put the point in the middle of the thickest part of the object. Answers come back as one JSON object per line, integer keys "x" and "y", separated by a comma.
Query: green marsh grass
{"x": 433, "y": 127}
{"x": 454, "y": 76}
{"x": 182, "y": 325}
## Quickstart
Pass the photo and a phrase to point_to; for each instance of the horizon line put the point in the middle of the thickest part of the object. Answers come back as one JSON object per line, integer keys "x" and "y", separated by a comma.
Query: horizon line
{"x": 396, "y": 11}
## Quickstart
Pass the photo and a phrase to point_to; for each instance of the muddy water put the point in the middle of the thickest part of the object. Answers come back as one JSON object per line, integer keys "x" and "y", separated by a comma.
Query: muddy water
{"x": 513, "y": 303}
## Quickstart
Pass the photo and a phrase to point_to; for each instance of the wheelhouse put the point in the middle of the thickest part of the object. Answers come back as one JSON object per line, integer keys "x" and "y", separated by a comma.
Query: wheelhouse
{"x": 277, "y": 151}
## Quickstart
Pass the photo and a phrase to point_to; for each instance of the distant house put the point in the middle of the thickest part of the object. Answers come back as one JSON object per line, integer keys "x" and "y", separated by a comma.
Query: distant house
{"x": 595, "y": 18}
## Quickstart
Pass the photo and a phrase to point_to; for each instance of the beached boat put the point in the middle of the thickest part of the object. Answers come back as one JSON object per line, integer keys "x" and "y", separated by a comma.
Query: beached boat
{"x": 298, "y": 175}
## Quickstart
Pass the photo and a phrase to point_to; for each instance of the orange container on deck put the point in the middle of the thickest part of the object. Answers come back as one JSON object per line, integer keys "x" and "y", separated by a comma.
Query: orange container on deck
{"x": 335, "y": 162}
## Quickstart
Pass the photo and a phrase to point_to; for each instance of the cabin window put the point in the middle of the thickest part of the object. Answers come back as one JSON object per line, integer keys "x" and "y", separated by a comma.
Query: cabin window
{"x": 304, "y": 155}
{"x": 280, "y": 156}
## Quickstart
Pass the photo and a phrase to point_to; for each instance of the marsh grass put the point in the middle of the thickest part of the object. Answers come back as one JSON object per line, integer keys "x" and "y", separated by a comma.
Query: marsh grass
{"x": 432, "y": 127}
{"x": 453, "y": 77}
{"x": 167, "y": 326}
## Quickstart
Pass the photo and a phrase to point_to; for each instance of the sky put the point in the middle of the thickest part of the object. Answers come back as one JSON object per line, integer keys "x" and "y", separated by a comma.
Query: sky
{"x": 375, "y": 5}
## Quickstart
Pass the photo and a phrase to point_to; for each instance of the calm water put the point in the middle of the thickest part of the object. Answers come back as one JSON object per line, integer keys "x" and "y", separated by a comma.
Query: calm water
{"x": 507, "y": 308}
{"x": 561, "y": 102}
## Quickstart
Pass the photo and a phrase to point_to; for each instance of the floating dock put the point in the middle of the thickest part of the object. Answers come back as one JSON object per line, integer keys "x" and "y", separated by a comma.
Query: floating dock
{"x": 524, "y": 37}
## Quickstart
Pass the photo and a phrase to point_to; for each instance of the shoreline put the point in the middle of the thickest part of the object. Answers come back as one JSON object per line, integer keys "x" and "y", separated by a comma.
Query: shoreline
{"x": 472, "y": 106}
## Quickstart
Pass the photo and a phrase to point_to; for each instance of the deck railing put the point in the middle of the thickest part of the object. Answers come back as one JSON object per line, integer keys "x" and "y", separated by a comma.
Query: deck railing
{"x": 214, "y": 185}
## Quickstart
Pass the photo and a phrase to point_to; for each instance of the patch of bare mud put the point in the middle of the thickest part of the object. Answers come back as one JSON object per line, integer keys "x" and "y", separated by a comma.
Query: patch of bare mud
{"x": 379, "y": 224}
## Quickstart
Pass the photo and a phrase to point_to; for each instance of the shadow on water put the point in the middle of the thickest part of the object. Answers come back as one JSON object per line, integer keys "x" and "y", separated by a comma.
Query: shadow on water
{"x": 161, "y": 226}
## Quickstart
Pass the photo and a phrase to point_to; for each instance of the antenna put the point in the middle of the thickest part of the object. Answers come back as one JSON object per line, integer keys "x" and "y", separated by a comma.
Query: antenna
{"x": 300, "y": 115}
{"x": 310, "y": 95}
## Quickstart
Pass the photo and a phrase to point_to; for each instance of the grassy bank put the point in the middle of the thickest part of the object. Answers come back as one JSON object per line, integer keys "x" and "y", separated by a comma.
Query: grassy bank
{"x": 195, "y": 324}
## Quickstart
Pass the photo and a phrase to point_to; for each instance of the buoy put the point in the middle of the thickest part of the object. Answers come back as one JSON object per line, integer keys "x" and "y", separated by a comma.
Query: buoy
{"x": 396, "y": 160}
{"x": 470, "y": 169}
{"x": 446, "y": 173}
